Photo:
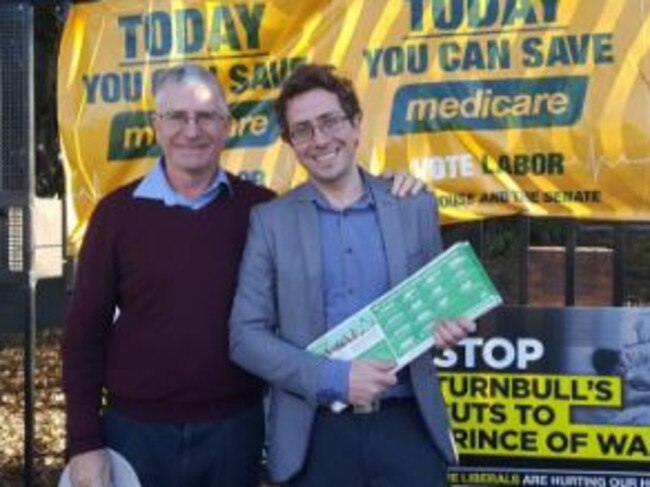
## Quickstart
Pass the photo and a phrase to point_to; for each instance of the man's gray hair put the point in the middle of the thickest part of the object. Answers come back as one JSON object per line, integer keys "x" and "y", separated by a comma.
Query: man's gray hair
{"x": 186, "y": 73}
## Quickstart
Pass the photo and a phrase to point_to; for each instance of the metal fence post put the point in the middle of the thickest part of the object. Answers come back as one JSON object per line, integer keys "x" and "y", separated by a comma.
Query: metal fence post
{"x": 16, "y": 187}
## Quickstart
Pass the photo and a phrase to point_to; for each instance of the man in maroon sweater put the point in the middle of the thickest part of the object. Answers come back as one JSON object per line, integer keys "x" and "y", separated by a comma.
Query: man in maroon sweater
{"x": 147, "y": 327}
{"x": 145, "y": 362}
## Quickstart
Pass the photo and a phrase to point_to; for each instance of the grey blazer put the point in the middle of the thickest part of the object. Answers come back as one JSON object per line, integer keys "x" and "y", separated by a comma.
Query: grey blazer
{"x": 278, "y": 311}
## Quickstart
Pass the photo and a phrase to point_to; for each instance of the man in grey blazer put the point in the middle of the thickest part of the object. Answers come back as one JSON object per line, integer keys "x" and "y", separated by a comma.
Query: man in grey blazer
{"x": 314, "y": 257}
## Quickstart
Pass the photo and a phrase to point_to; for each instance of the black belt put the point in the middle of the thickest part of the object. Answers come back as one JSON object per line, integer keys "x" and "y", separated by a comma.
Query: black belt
{"x": 376, "y": 406}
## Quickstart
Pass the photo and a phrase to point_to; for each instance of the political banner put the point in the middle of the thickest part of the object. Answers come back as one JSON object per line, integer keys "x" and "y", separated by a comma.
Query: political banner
{"x": 551, "y": 397}
{"x": 538, "y": 107}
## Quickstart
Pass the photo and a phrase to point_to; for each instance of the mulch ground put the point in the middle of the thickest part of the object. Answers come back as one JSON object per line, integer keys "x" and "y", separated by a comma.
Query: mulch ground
{"x": 49, "y": 416}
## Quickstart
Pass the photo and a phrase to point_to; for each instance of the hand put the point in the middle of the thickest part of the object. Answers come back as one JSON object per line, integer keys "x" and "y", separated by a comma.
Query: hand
{"x": 404, "y": 184}
{"x": 368, "y": 379}
{"x": 449, "y": 332}
{"x": 90, "y": 469}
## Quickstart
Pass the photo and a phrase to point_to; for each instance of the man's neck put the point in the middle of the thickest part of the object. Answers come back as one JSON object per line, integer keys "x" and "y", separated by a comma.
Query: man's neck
{"x": 189, "y": 184}
{"x": 343, "y": 193}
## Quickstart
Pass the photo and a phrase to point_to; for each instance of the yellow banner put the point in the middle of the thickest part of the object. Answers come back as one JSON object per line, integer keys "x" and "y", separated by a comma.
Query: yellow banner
{"x": 539, "y": 107}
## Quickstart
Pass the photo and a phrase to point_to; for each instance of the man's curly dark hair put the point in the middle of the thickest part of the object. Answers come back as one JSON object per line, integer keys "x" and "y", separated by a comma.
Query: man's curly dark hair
{"x": 307, "y": 77}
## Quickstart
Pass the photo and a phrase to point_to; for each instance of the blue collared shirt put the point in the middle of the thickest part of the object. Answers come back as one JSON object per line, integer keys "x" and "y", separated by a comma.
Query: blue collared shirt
{"x": 155, "y": 186}
{"x": 354, "y": 270}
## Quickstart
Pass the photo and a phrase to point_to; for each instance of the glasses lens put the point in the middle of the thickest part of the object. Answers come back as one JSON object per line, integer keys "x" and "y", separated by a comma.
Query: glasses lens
{"x": 302, "y": 132}
{"x": 177, "y": 119}
{"x": 330, "y": 123}
{"x": 207, "y": 119}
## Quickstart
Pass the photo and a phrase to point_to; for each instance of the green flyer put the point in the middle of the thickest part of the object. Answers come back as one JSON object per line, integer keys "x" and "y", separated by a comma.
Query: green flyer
{"x": 398, "y": 326}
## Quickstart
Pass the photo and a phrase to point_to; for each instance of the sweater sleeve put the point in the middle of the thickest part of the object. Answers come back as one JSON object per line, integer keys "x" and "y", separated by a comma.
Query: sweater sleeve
{"x": 84, "y": 342}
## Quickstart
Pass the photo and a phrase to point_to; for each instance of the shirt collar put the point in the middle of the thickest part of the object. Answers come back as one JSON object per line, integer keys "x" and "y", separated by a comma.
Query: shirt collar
{"x": 365, "y": 201}
{"x": 155, "y": 186}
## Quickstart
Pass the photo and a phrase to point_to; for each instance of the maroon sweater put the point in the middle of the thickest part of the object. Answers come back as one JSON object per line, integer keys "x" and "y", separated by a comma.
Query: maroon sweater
{"x": 171, "y": 271}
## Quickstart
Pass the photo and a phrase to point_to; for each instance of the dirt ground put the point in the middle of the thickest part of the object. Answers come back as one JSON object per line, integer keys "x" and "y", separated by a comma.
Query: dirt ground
{"x": 49, "y": 417}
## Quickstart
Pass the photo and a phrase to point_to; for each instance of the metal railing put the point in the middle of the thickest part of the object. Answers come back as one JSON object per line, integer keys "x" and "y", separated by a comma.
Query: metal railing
{"x": 16, "y": 168}
{"x": 583, "y": 263}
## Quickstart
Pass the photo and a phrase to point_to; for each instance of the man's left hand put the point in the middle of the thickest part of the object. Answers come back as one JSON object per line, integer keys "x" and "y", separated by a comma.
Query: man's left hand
{"x": 449, "y": 332}
{"x": 404, "y": 184}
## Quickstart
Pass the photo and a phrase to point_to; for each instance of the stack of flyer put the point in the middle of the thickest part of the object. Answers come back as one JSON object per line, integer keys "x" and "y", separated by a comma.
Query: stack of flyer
{"x": 399, "y": 326}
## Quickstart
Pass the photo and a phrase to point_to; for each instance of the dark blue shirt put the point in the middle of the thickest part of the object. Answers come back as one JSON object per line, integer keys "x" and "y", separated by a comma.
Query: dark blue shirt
{"x": 354, "y": 272}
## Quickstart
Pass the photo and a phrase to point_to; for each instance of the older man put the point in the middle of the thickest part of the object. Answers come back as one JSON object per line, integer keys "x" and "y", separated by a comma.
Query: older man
{"x": 313, "y": 258}
{"x": 146, "y": 368}
{"x": 164, "y": 252}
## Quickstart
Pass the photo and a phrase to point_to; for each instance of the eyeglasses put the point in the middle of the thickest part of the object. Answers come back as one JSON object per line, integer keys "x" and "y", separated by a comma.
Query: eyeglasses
{"x": 177, "y": 119}
{"x": 327, "y": 124}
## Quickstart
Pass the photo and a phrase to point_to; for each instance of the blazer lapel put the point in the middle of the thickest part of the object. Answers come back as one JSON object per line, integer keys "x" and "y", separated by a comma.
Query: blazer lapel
{"x": 391, "y": 229}
{"x": 309, "y": 233}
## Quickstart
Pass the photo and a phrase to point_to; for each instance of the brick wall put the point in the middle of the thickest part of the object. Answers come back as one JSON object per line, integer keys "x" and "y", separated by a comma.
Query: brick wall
{"x": 594, "y": 276}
